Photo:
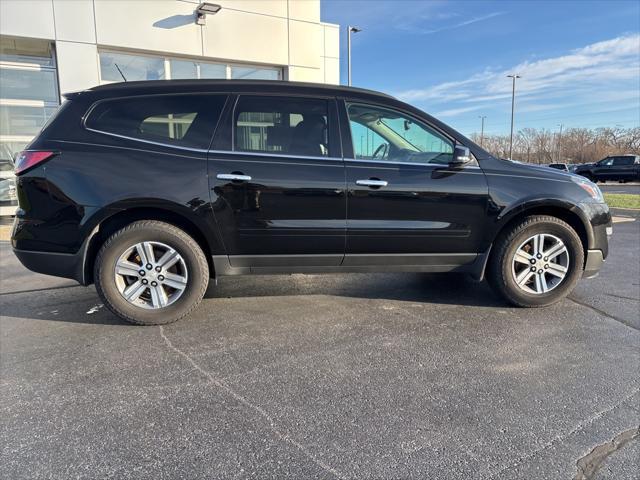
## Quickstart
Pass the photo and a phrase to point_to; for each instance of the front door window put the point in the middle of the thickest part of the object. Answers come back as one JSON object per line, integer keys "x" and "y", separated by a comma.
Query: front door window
{"x": 382, "y": 134}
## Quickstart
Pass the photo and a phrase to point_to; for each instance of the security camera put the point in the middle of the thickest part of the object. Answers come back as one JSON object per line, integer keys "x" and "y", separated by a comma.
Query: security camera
{"x": 205, "y": 9}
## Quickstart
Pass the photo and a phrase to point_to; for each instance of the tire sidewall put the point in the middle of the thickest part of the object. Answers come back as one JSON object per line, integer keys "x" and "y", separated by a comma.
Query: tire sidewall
{"x": 576, "y": 259}
{"x": 105, "y": 273}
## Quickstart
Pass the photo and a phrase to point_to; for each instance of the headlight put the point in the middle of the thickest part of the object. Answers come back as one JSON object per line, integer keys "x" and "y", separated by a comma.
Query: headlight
{"x": 589, "y": 187}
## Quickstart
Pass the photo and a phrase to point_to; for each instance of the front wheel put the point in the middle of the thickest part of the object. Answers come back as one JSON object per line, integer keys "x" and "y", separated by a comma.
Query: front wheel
{"x": 151, "y": 273}
{"x": 537, "y": 262}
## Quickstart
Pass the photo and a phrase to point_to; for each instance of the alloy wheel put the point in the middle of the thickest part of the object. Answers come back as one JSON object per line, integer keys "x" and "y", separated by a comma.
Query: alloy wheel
{"x": 540, "y": 263}
{"x": 151, "y": 275}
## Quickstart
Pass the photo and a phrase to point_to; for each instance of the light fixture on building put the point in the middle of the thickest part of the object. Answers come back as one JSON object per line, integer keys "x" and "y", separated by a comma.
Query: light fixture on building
{"x": 205, "y": 9}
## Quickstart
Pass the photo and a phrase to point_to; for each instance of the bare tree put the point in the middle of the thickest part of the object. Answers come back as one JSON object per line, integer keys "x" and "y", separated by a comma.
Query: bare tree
{"x": 578, "y": 145}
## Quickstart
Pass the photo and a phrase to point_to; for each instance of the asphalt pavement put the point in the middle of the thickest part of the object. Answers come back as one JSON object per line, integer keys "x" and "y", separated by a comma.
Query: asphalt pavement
{"x": 339, "y": 376}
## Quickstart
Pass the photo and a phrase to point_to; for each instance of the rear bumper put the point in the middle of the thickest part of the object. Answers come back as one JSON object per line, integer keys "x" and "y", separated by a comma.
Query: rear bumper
{"x": 66, "y": 265}
{"x": 593, "y": 263}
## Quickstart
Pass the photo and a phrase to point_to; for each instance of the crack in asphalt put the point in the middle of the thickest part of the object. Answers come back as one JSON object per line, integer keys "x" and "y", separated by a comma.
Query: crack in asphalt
{"x": 590, "y": 463}
{"x": 622, "y": 296}
{"x": 624, "y": 322}
{"x": 272, "y": 425}
{"x": 560, "y": 438}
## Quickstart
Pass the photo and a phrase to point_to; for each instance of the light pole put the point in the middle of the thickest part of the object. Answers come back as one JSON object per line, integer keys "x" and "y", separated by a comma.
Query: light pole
{"x": 513, "y": 104}
{"x": 560, "y": 144}
{"x": 350, "y": 29}
{"x": 482, "y": 117}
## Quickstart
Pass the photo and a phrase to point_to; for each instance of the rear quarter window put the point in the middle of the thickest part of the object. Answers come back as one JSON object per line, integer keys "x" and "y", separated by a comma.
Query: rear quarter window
{"x": 174, "y": 120}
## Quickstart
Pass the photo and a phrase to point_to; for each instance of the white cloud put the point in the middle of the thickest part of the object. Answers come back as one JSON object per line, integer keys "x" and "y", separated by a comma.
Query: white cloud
{"x": 416, "y": 27}
{"x": 585, "y": 75}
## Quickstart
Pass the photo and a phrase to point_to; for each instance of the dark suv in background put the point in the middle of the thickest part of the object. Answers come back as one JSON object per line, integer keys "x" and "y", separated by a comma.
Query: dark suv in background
{"x": 623, "y": 168}
{"x": 149, "y": 189}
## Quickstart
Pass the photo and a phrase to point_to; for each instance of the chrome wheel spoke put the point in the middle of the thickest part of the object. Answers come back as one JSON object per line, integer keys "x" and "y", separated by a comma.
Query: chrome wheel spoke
{"x": 557, "y": 270}
{"x": 524, "y": 277}
{"x": 148, "y": 252}
{"x": 523, "y": 257}
{"x": 169, "y": 259}
{"x": 159, "y": 297}
{"x": 175, "y": 281}
{"x": 553, "y": 252}
{"x": 139, "y": 247}
{"x": 125, "y": 267}
{"x": 538, "y": 243}
{"x": 541, "y": 283}
{"x": 133, "y": 291}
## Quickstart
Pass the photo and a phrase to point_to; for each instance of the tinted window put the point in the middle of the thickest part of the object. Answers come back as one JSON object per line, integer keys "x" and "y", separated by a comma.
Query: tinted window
{"x": 382, "y": 134}
{"x": 181, "y": 120}
{"x": 624, "y": 161}
{"x": 291, "y": 126}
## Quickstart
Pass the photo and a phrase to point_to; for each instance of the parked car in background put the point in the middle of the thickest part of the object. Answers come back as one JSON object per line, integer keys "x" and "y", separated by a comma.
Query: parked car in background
{"x": 623, "y": 168}
{"x": 559, "y": 166}
{"x": 149, "y": 189}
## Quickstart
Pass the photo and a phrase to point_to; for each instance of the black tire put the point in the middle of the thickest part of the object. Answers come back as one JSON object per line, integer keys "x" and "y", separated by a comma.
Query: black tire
{"x": 156, "y": 231}
{"x": 499, "y": 268}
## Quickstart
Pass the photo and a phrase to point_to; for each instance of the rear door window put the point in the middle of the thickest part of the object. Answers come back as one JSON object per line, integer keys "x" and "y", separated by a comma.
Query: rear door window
{"x": 619, "y": 161}
{"x": 282, "y": 125}
{"x": 173, "y": 120}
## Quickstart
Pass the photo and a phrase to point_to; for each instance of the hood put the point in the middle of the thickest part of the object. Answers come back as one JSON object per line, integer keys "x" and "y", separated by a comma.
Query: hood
{"x": 540, "y": 170}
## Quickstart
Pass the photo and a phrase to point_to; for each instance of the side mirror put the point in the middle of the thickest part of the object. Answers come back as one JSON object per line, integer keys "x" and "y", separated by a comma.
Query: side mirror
{"x": 461, "y": 156}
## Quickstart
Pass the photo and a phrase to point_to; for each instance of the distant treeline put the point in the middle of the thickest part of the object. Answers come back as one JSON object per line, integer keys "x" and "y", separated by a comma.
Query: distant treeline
{"x": 574, "y": 145}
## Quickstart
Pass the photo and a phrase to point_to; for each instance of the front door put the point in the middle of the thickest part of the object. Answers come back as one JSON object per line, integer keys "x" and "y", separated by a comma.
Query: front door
{"x": 279, "y": 193}
{"x": 405, "y": 204}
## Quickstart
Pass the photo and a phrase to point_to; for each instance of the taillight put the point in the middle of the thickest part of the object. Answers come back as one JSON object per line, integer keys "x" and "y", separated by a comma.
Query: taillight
{"x": 28, "y": 159}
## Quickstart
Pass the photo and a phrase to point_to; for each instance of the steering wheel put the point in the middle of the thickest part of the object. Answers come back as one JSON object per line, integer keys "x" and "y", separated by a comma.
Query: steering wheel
{"x": 382, "y": 149}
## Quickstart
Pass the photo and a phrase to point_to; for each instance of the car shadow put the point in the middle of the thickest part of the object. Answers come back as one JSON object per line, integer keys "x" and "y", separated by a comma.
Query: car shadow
{"x": 77, "y": 304}
{"x": 449, "y": 289}
{"x": 69, "y": 304}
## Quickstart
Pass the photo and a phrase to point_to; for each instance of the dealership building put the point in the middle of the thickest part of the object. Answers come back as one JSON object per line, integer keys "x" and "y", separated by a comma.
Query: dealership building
{"x": 50, "y": 47}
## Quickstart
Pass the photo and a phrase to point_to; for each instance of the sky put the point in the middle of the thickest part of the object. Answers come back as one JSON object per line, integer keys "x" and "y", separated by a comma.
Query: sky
{"x": 579, "y": 60}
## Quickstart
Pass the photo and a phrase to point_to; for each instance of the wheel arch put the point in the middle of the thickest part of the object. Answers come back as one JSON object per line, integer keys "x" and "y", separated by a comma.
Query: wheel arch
{"x": 111, "y": 219}
{"x": 566, "y": 211}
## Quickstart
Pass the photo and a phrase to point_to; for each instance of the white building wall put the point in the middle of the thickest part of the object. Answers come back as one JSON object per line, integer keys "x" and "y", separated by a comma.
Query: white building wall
{"x": 282, "y": 33}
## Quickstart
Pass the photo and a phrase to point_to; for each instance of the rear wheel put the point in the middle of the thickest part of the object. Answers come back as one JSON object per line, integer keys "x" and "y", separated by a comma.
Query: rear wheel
{"x": 536, "y": 262}
{"x": 151, "y": 273}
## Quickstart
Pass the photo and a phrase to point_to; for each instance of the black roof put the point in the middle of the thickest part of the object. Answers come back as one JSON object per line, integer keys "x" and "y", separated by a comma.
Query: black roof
{"x": 228, "y": 85}
{"x": 125, "y": 89}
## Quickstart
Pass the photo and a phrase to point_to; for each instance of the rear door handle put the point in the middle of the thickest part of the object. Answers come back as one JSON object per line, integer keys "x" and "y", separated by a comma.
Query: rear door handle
{"x": 372, "y": 183}
{"x": 234, "y": 177}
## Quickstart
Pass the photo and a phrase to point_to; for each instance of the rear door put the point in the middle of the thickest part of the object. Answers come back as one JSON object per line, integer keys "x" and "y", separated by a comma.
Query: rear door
{"x": 623, "y": 168}
{"x": 405, "y": 205}
{"x": 277, "y": 182}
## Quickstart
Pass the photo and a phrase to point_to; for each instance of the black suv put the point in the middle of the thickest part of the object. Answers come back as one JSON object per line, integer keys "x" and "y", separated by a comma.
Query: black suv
{"x": 623, "y": 168}
{"x": 149, "y": 189}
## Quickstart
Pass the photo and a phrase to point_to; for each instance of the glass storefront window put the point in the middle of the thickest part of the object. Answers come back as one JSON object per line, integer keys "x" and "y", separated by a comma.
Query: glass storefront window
{"x": 213, "y": 70}
{"x": 115, "y": 67}
{"x": 254, "y": 73}
{"x": 26, "y": 51}
{"x": 145, "y": 67}
{"x": 183, "y": 69}
{"x": 28, "y": 97}
{"x": 23, "y": 120}
{"x": 27, "y": 84}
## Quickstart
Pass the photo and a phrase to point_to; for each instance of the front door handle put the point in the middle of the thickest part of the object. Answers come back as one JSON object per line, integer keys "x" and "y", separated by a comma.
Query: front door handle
{"x": 372, "y": 182}
{"x": 234, "y": 177}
